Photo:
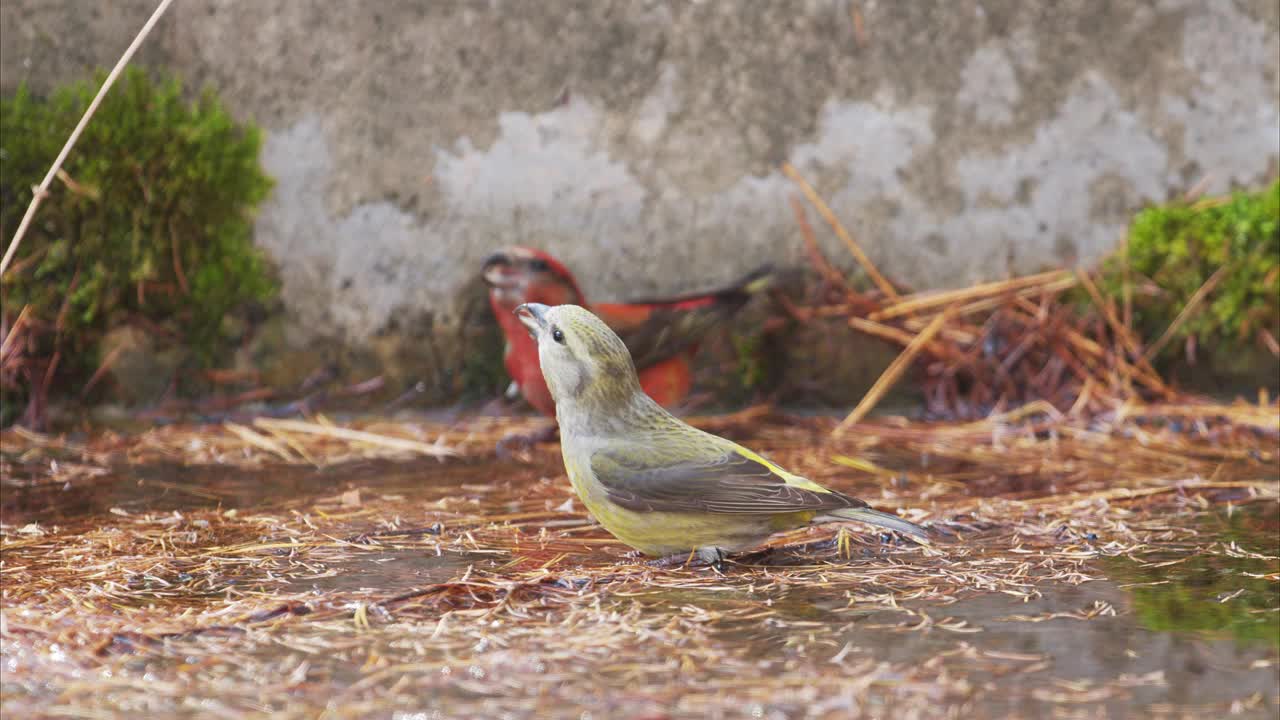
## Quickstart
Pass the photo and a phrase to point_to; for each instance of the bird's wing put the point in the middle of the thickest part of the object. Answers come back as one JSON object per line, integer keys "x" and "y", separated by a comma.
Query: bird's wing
{"x": 732, "y": 483}
{"x": 654, "y": 333}
{"x": 656, "y": 329}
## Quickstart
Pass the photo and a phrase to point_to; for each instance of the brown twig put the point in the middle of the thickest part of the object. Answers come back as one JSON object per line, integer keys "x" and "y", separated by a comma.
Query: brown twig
{"x": 819, "y": 261}
{"x": 821, "y": 206}
{"x": 893, "y": 373}
{"x": 1187, "y": 311}
{"x": 102, "y": 370}
{"x": 930, "y": 300}
{"x": 1126, "y": 338}
{"x": 14, "y": 331}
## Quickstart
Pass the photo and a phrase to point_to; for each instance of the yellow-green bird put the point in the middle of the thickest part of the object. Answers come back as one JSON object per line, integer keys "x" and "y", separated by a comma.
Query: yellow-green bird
{"x": 659, "y": 485}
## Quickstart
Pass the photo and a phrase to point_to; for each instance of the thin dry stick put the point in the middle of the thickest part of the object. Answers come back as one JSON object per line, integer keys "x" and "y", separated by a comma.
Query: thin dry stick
{"x": 928, "y": 300}
{"x": 901, "y": 337}
{"x": 831, "y": 275}
{"x": 1187, "y": 311}
{"x": 43, "y": 188}
{"x": 260, "y": 441}
{"x": 885, "y": 286}
{"x": 893, "y": 372}
{"x": 102, "y": 370}
{"x": 1270, "y": 341}
{"x": 1126, "y": 288}
{"x": 1122, "y": 333}
{"x": 298, "y": 426}
{"x": 13, "y": 331}
{"x": 1065, "y": 283}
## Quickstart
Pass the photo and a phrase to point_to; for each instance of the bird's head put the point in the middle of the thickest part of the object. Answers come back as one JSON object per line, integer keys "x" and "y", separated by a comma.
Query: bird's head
{"x": 584, "y": 362}
{"x": 517, "y": 275}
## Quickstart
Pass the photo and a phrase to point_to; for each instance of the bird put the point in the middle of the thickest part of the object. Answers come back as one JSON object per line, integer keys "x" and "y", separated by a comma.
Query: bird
{"x": 662, "y": 334}
{"x": 659, "y": 485}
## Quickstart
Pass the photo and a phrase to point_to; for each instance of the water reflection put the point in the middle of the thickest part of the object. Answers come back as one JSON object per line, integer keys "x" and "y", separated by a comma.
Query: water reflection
{"x": 1233, "y": 594}
{"x": 166, "y": 488}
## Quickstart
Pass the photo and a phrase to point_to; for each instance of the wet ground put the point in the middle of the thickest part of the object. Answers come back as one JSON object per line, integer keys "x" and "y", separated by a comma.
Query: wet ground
{"x": 478, "y": 588}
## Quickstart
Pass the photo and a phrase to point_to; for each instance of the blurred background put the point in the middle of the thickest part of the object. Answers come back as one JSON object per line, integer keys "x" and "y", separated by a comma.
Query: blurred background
{"x": 641, "y": 143}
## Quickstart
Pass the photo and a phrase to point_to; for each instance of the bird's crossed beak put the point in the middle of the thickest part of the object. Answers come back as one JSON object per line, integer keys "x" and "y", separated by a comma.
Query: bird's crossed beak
{"x": 499, "y": 271}
{"x": 534, "y": 317}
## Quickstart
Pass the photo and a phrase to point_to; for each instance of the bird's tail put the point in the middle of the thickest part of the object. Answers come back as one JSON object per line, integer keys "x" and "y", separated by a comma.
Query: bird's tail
{"x": 881, "y": 519}
{"x": 756, "y": 281}
{"x": 735, "y": 295}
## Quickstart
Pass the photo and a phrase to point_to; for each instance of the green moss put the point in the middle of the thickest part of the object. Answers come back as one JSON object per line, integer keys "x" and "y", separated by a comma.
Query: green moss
{"x": 151, "y": 225}
{"x": 484, "y": 374}
{"x": 1179, "y": 246}
{"x": 752, "y": 371}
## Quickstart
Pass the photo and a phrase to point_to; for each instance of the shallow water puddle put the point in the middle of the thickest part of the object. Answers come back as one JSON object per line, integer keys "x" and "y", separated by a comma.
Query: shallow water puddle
{"x": 479, "y": 589}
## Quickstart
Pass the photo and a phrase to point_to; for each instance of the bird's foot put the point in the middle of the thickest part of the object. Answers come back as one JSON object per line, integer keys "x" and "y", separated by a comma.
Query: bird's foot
{"x": 710, "y": 556}
{"x": 515, "y": 443}
{"x": 669, "y": 561}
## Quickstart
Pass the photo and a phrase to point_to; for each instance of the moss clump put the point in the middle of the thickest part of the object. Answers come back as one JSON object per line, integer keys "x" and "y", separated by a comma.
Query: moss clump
{"x": 150, "y": 225}
{"x": 484, "y": 373}
{"x": 1179, "y": 246}
{"x": 748, "y": 347}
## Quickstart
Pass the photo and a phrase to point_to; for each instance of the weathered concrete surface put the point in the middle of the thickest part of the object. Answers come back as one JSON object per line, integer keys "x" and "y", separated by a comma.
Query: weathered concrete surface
{"x": 640, "y": 141}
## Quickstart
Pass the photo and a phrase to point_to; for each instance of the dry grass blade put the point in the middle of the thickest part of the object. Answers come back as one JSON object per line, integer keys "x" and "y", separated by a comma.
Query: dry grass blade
{"x": 816, "y": 258}
{"x": 1122, "y": 334}
{"x": 880, "y": 281}
{"x": 985, "y": 291}
{"x": 259, "y": 441}
{"x": 1002, "y": 297}
{"x": 436, "y": 450}
{"x": 1188, "y": 310}
{"x": 901, "y": 337}
{"x": 894, "y": 372}
{"x": 14, "y": 331}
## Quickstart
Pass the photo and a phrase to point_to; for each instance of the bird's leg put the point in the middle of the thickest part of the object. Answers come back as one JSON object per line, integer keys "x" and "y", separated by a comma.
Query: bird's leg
{"x": 515, "y": 442}
{"x": 671, "y": 561}
{"x": 713, "y": 556}
{"x": 709, "y": 555}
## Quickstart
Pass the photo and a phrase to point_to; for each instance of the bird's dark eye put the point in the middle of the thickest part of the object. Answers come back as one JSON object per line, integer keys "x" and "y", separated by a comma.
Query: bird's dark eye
{"x": 539, "y": 265}
{"x": 557, "y": 335}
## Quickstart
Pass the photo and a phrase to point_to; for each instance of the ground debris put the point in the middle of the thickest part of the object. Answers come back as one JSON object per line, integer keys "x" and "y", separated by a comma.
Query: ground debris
{"x": 374, "y": 580}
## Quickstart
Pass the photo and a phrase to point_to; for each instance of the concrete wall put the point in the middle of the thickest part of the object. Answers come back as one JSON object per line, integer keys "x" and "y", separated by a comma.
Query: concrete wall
{"x": 640, "y": 140}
